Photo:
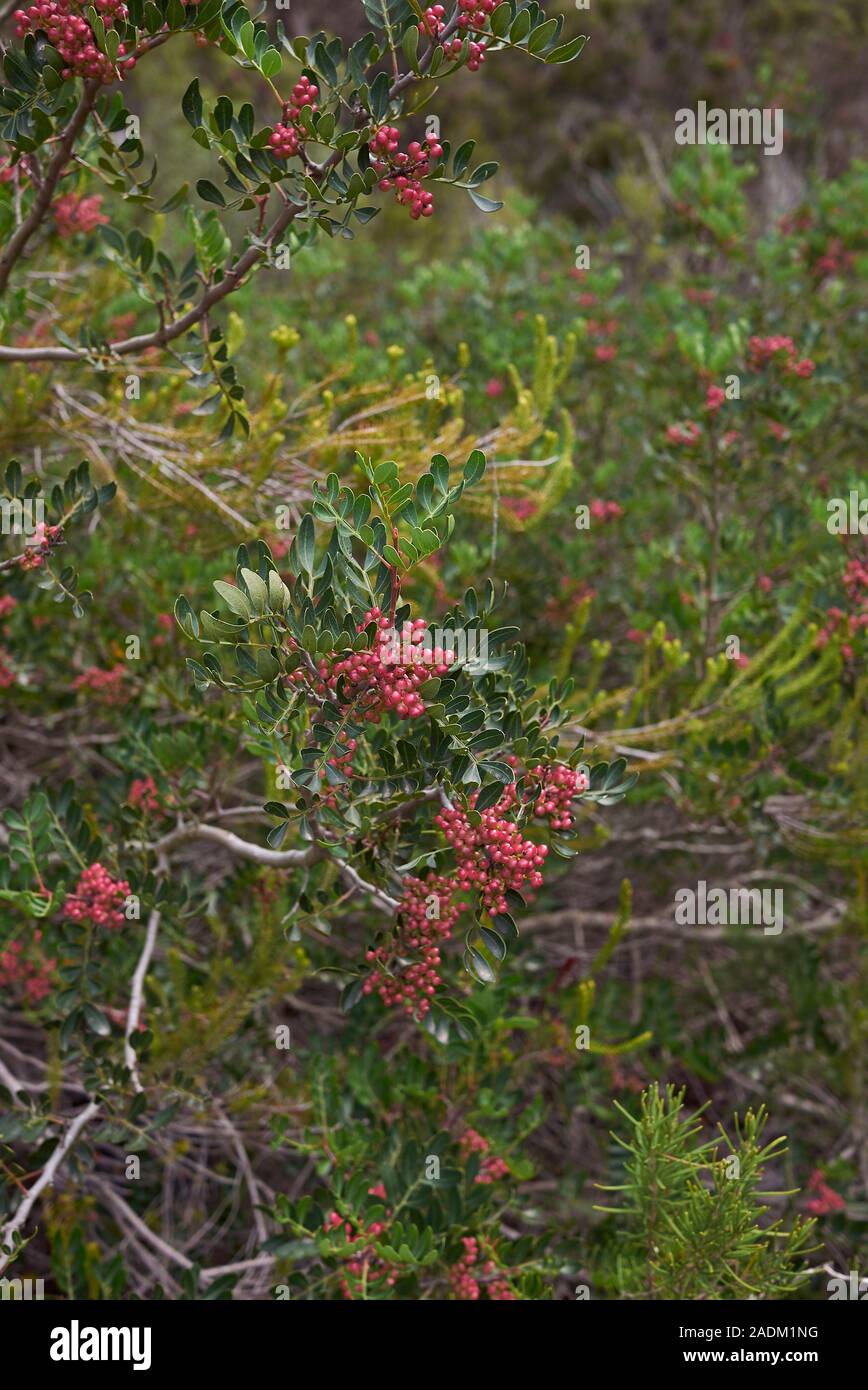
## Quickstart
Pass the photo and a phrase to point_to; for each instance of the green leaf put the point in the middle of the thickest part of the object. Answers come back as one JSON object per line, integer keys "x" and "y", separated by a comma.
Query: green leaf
{"x": 306, "y": 543}
{"x": 378, "y": 100}
{"x": 567, "y": 51}
{"x": 482, "y": 173}
{"x": 501, "y": 20}
{"x": 186, "y": 618}
{"x": 210, "y": 192}
{"x": 501, "y": 772}
{"x": 96, "y": 1021}
{"x": 542, "y": 35}
{"x": 488, "y": 796}
{"x": 520, "y": 27}
{"x": 411, "y": 47}
{"x": 494, "y": 942}
{"x": 234, "y": 598}
{"x": 257, "y": 589}
{"x": 474, "y": 468}
{"x": 485, "y": 204}
{"x": 476, "y": 965}
{"x": 191, "y": 104}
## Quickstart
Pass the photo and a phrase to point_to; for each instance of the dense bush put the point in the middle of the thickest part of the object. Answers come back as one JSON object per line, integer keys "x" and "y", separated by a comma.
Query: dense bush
{"x": 303, "y": 995}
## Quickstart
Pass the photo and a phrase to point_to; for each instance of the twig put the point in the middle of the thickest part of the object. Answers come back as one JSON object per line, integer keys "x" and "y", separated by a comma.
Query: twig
{"x": 46, "y": 1177}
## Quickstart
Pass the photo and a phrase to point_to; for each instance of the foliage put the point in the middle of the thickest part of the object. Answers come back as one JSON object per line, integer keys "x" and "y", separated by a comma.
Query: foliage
{"x": 231, "y": 877}
{"x": 692, "y": 1220}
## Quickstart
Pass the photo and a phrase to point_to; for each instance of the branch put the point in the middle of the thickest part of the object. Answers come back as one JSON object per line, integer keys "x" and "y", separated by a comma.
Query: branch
{"x": 46, "y": 1178}
{"x": 53, "y": 173}
{"x": 168, "y": 331}
{"x": 283, "y": 858}
{"x": 136, "y": 995}
{"x": 245, "y": 849}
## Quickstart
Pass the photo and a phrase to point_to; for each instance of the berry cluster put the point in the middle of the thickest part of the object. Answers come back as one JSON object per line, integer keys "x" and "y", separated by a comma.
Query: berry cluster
{"x": 687, "y": 434}
{"x": 559, "y": 787}
{"x": 144, "y": 796}
{"x": 364, "y": 1264}
{"x": 284, "y": 141}
{"x": 714, "y": 399}
{"x": 41, "y": 543}
{"x": 425, "y": 919}
{"x": 73, "y": 214}
{"x": 476, "y": 52}
{"x": 492, "y": 1168}
{"x": 107, "y": 684}
{"x": 63, "y": 23}
{"x": 433, "y": 21}
{"x": 605, "y": 511}
{"x": 765, "y": 350}
{"x": 467, "y": 1278}
{"x": 377, "y": 684}
{"x": 474, "y": 13}
{"x": 856, "y": 588}
{"x": 97, "y": 898}
{"x": 827, "y": 1199}
{"x": 492, "y": 856}
{"x": 35, "y": 978}
{"x": 286, "y": 138}
{"x": 601, "y": 330}
{"x": 404, "y": 171}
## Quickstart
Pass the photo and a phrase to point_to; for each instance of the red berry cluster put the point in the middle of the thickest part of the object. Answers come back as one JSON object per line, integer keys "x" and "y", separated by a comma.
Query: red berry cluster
{"x": 364, "y": 1264}
{"x": 107, "y": 684}
{"x": 433, "y": 21}
{"x": 63, "y": 23}
{"x": 474, "y": 13}
{"x": 404, "y": 171}
{"x": 476, "y": 53}
{"x": 97, "y": 898}
{"x": 144, "y": 796}
{"x": 492, "y": 1168}
{"x": 34, "y": 977}
{"x": 73, "y": 214}
{"x": 559, "y": 787}
{"x": 601, "y": 330}
{"x": 41, "y": 543}
{"x": 285, "y": 138}
{"x": 605, "y": 511}
{"x": 835, "y": 259}
{"x": 284, "y": 141}
{"x": 467, "y": 1278}
{"x": 412, "y": 982}
{"x": 764, "y": 350}
{"x": 856, "y": 588}
{"x": 492, "y": 856}
{"x": 827, "y": 1199}
{"x": 687, "y": 434}
{"x": 386, "y": 678}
